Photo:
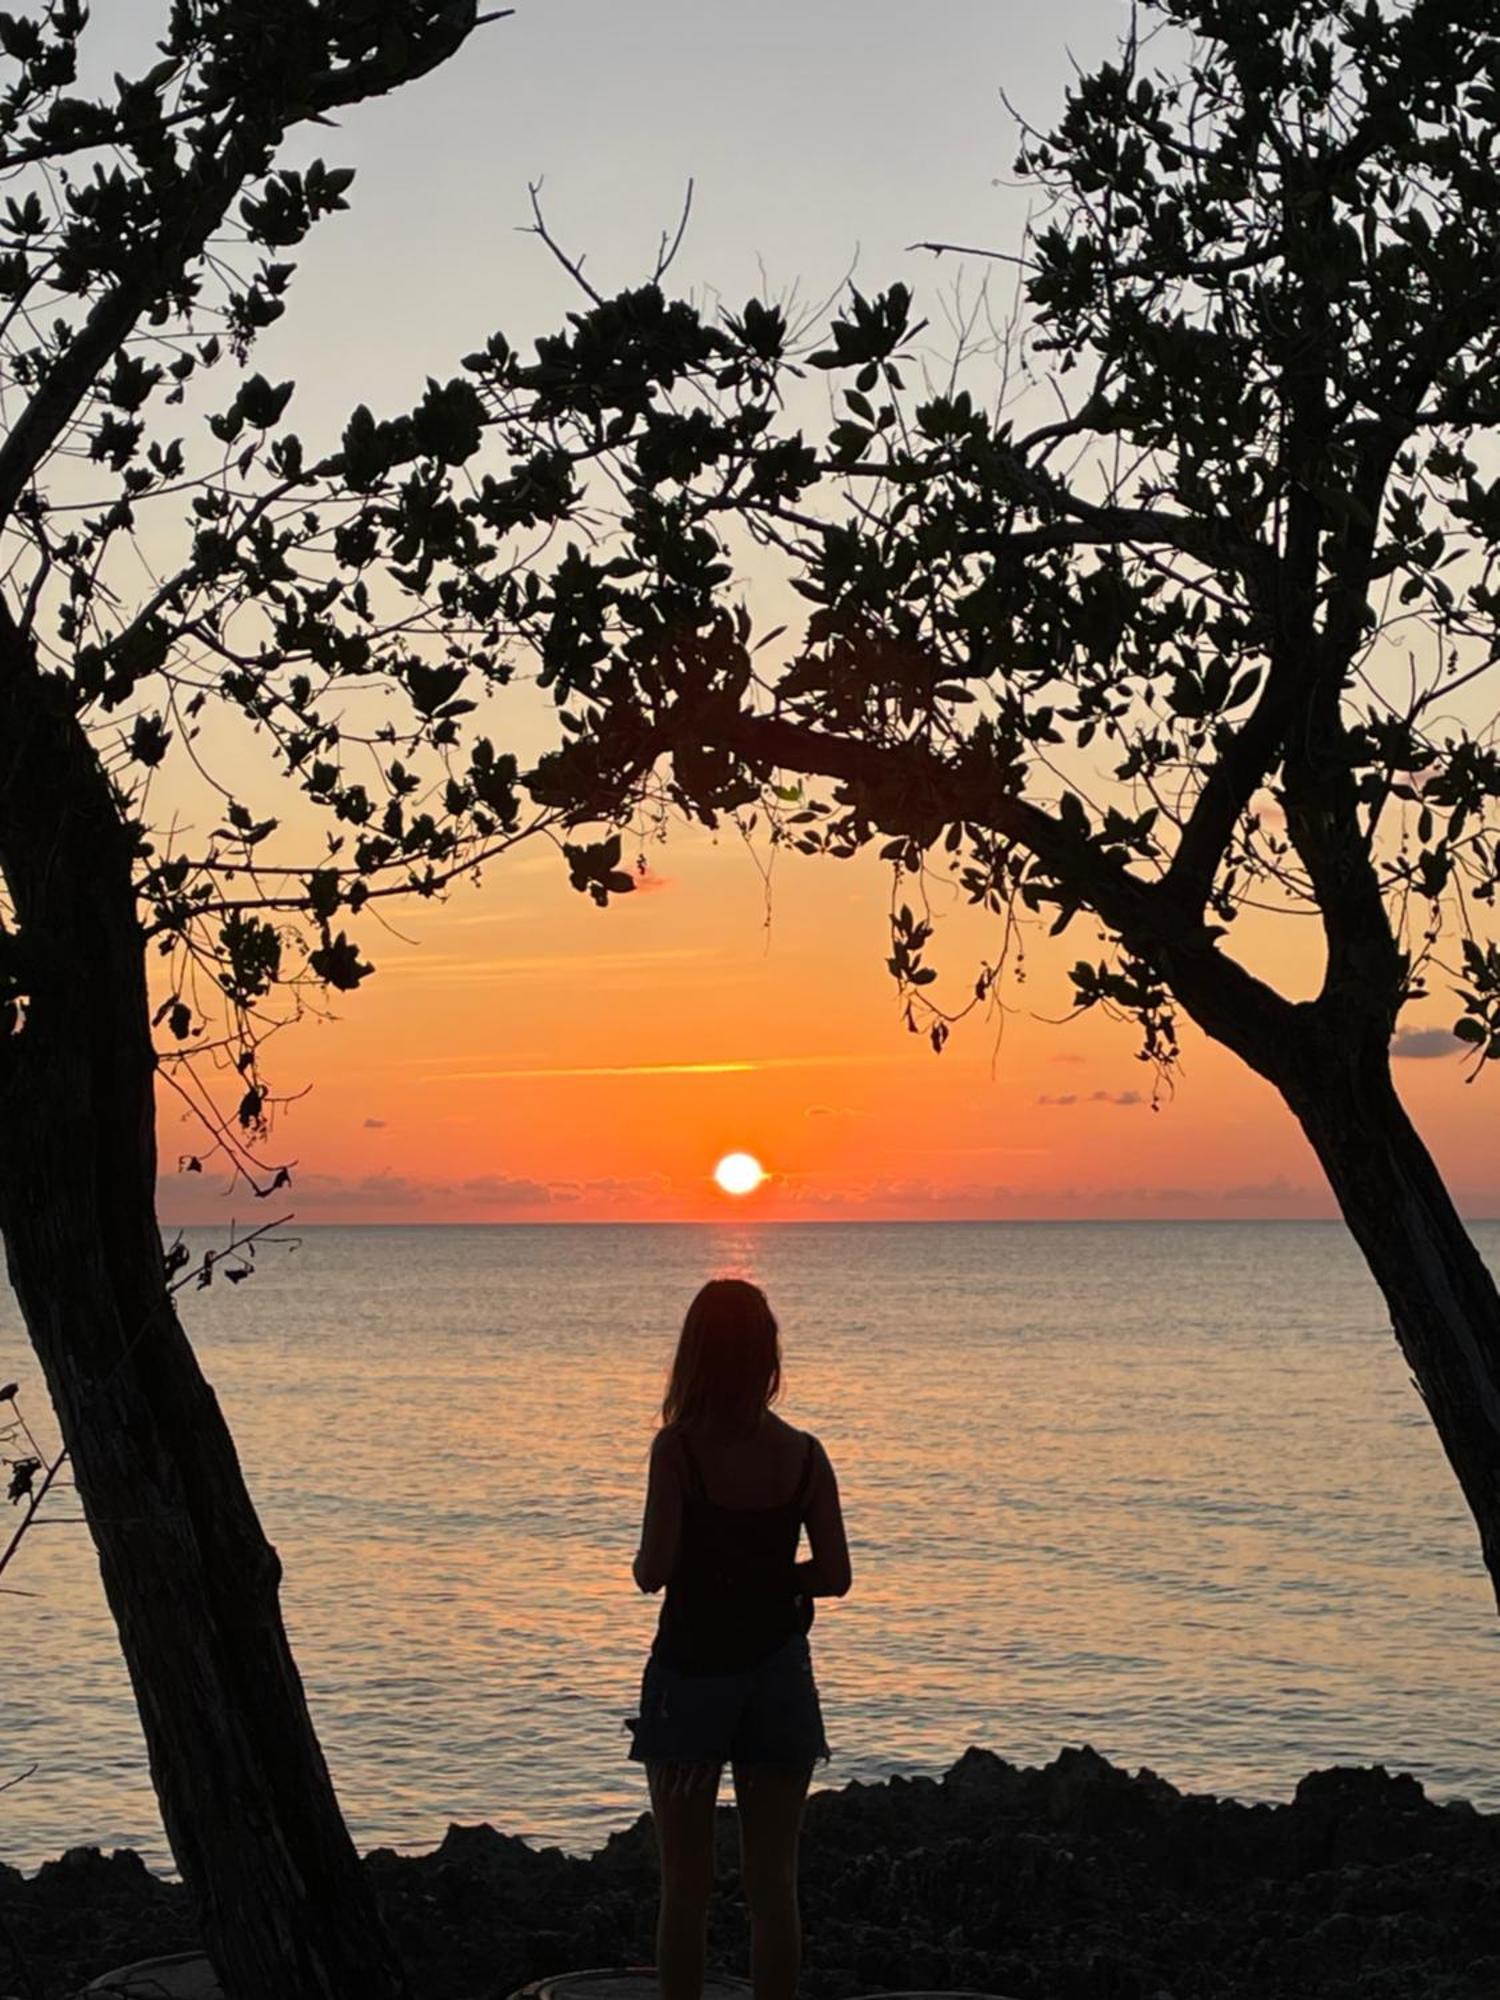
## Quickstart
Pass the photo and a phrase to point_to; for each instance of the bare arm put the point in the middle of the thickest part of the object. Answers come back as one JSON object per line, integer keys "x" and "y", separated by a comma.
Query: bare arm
{"x": 827, "y": 1573}
{"x": 661, "y": 1529}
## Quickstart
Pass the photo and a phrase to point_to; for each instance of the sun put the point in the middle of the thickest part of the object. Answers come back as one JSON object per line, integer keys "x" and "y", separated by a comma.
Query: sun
{"x": 739, "y": 1173}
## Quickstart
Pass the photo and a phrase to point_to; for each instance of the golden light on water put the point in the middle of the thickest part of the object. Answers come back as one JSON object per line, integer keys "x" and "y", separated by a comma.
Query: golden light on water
{"x": 739, "y": 1173}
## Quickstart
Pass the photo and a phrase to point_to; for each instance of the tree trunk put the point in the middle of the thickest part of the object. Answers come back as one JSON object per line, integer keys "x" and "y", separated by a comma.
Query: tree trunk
{"x": 192, "y": 1582}
{"x": 1444, "y": 1305}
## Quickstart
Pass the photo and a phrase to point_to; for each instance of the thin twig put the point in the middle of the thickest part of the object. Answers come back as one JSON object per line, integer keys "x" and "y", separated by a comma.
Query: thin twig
{"x": 972, "y": 250}
{"x": 539, "y": 228}
{"x": 213, "y": 1257}
{"x": 667, "y": 256}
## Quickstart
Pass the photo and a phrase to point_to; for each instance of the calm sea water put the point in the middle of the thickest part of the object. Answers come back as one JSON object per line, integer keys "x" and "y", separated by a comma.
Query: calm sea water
{"x": 1163, "y": 1488}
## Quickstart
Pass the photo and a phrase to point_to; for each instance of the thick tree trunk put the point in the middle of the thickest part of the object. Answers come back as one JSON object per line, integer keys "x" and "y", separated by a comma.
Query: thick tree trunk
{"x": 192, "y": 1582}
{"x": 1443, "y": 1302}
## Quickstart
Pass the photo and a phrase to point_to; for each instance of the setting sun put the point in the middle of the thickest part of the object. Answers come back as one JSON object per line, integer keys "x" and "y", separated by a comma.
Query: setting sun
{"x": 739, "y": 1173}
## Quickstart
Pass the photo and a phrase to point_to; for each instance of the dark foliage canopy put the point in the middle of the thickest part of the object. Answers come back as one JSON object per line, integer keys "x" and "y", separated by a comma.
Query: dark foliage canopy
{"x": 316, "y": 623}
{"x": 1213, "y": 629}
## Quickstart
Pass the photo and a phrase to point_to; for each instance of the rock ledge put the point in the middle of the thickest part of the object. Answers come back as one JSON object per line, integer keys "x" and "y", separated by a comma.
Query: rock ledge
{"x": 1077, "y": 1881}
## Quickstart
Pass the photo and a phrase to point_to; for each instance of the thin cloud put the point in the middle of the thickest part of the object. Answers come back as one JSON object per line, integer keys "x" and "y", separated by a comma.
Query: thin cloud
{"x": 1278, "y": 1188}
{"x": 454, "y": 969}
{"x": 374, "y": 1124}
{"x": 1424, "y": 1044}
{"x": 1145, "y": 1197}
{"x": 1116, "y": 1097}
{"x": 612, "y": 1187}
{"x": 496, "y": 1191}
{"x": 316, "y": 1192}
{"x": 609, "y": 1069}
{"x": 325, "y": 1197}
{"x": 738, "y": 1067}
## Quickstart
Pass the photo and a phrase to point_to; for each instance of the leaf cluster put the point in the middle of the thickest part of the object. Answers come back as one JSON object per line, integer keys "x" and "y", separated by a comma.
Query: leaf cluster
{"x": 338, "y": 612}
{"x": 1222, "y": 630}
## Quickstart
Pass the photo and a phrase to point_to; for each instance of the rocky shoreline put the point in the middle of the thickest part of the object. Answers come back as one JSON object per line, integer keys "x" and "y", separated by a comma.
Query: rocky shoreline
{"x": 1073, "y": 1882}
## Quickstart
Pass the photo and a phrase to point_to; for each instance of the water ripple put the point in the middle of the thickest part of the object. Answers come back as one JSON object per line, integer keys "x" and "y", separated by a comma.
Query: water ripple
{"x": 1095, "y": 1492}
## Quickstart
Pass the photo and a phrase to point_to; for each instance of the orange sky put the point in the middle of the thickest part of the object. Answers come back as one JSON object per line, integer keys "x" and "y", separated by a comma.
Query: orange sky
{"x": 523, "y": 1056}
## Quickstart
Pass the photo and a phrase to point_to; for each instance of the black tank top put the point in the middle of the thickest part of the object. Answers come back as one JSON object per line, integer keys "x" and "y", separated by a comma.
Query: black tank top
{"x": 733, "y": 1599}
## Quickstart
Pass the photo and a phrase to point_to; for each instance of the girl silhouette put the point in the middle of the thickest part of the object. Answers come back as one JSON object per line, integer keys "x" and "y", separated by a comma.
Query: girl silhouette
{"x": 730, "y": 1678}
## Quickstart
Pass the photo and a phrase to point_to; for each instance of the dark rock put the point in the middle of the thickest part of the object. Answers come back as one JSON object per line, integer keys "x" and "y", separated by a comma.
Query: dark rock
{"x": 83, "y": 1913}
{"x": 1073, "y": 1882}
{"x": 1353, "y": 1786}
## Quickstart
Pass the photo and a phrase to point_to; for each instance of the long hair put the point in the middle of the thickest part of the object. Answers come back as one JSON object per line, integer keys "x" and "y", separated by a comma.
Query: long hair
{"x": 727, "y": 1368}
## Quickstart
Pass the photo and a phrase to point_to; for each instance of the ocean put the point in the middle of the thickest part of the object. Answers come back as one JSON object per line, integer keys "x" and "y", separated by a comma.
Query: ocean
{"x": 1164, "y": 1488}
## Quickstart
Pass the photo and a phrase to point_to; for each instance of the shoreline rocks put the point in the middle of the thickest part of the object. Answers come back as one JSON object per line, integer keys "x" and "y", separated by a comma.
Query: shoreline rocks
{"x": 1076, "y": 1881}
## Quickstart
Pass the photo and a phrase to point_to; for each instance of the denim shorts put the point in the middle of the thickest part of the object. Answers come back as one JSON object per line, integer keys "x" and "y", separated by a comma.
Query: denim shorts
{"x": 768, "y": 1714}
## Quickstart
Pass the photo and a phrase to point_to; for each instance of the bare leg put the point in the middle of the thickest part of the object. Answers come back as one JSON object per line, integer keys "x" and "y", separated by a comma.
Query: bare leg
{"x": 770, "y": 1804}
{"x": 682, "y": 1804}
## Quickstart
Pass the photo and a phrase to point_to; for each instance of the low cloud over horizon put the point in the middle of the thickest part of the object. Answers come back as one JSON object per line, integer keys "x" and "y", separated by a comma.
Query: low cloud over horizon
{"x": 392, "y": 1198}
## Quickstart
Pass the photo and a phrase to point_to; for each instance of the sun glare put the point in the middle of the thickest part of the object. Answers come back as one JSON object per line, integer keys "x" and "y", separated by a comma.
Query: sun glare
{"x": 739, "y": 1173}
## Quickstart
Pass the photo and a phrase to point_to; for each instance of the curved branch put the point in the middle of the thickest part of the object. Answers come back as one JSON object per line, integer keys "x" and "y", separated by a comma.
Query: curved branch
{"x": 1227, "y": 1001}
{"x": 182, "y": 238}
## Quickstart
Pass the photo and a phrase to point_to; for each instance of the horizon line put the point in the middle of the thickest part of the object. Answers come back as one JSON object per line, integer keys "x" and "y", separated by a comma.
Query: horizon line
{"x": 824, "y": 1222}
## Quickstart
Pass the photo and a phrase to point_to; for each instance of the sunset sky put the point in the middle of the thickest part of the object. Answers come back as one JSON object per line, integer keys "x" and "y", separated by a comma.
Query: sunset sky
{"x": 524, "y": 1056}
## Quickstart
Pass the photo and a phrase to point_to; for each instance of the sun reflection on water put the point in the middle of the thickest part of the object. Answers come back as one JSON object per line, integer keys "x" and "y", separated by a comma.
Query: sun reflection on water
{"x": 1054, "y": 1459}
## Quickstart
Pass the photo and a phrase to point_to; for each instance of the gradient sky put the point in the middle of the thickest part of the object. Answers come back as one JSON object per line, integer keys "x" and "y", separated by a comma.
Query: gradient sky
{"x": 522, "y": 1055}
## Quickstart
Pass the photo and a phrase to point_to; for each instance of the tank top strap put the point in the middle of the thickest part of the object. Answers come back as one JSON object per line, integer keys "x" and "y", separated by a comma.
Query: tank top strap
{"x": 808, "y": 1459}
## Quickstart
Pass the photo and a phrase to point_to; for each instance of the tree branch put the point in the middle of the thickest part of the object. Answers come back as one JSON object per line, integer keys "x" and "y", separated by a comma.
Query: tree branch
{"x": 183, "y": 238}
{"x": 1226, "y": 1000}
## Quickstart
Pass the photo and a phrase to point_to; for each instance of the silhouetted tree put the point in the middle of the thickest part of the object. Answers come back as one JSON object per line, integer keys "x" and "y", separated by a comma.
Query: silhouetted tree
{"x": 284, "y": 642}
{"x": 1213, "y": 630}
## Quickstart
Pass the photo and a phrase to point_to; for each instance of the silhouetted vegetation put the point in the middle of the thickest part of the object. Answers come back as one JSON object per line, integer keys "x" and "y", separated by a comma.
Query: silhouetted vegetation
{"x": 310, "y": 625}
{"x": 1211, "y": 632}
{"x": 1214, "y": 631}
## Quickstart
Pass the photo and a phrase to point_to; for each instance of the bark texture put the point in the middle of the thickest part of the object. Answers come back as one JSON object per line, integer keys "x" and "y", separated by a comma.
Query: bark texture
{"x": 1443, "y": 1302}
{"x": 190, "y": 1578}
